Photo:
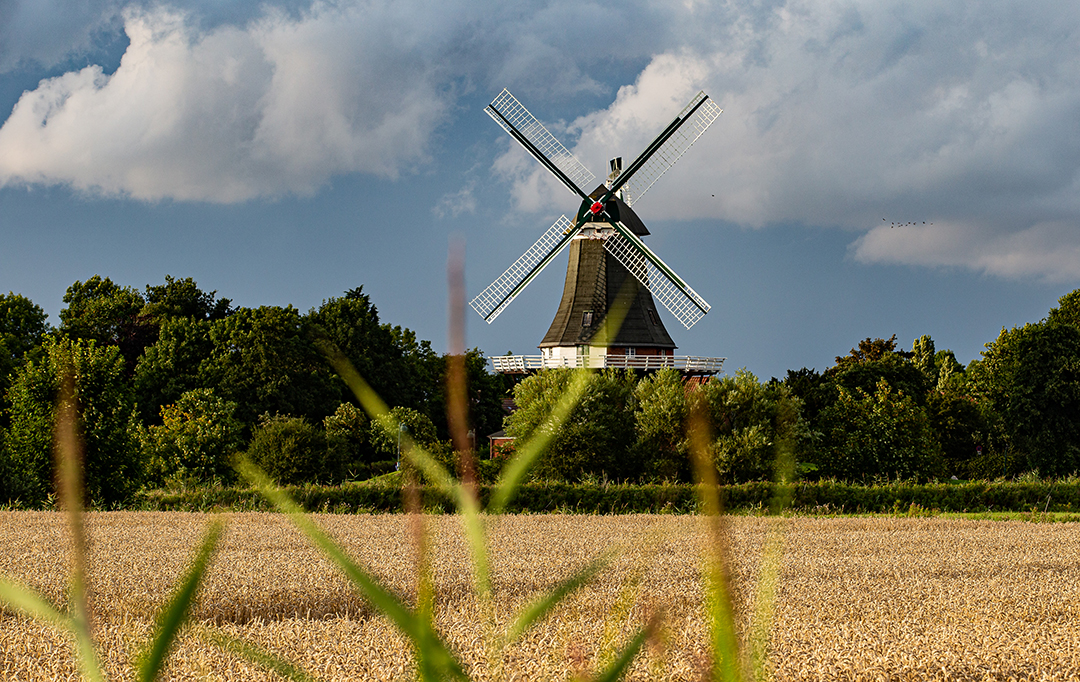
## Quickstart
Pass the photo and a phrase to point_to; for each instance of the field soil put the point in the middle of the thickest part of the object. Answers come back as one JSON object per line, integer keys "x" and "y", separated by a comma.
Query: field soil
{"x": 856, "y": 598}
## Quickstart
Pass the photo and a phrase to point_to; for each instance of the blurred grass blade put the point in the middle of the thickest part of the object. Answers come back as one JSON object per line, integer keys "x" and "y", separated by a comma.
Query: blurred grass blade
{"x": 22, "y": 598}
{"x": 174, "y": 614}
{"x": 724, "y": 642}
{"x": 514, "y": 472}
{"x": 536, "y": 611}
{"x": 618, "y": 666}
{"x": 258, "y": 656}
{"x": 417, "y": 629}
{"x": 69, "y": 471}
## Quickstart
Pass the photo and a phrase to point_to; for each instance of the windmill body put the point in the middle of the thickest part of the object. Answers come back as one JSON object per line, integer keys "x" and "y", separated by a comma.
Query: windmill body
{"x": 607, "y": 316}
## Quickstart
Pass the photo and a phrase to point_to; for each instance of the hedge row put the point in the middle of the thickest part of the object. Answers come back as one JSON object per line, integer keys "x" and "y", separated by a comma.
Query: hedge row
{"x": 825, "y": 496}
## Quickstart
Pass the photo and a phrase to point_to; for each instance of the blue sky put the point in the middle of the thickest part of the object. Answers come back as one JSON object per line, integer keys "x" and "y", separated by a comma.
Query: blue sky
{"x": 285, "y": 152}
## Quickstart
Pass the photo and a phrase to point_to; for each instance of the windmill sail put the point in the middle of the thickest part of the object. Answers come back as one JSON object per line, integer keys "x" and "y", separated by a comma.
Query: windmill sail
{"x": 523, "y": 127}
{"x": 661, "y": 281}
{"x": 499, "y": 294}
{"x": 694, "y": 120}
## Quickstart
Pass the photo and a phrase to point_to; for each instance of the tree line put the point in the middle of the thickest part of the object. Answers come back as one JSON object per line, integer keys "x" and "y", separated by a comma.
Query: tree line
{"x": 879, "y": 413}
{"x": 172, "y": 382}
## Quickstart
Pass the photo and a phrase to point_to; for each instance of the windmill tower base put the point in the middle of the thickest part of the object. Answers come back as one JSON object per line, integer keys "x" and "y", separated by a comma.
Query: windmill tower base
{"x": 606, "y": 319}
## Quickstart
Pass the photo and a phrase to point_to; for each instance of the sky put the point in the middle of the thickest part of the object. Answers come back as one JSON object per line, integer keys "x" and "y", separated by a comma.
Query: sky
{"x": 881, "y": 167}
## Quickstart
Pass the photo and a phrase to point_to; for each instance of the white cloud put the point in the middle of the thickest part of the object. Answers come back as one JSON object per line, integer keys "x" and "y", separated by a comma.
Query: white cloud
{"x": 840, "y": 113}
{"x": 276, "y": 107}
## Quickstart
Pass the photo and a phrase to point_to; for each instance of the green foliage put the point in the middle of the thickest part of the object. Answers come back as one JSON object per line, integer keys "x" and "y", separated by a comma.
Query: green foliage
{"x": 749, "y": 419}
{"x": 196, "y": 441}
{"x": 1030, "y": 376}
{"x": 396, "y": 366}
{"x": 925, "y": 358}
{"x": 959, "y": 427}
{"x": 392, "y": 435}
{"x": 879, "y": 434}
{"x": 171, "y": 366}
{"x": 896, "y": 369}
{"x": 596, "y": 436}
{"x": 110, "y": 314}
{"x": 22, "y": 331}
{"x": 107, "y": 422}
{"x": 183, "y": 298}
{"x": 292, "y": 450}
{"x": 263, "y": 360}
{"x": 1067, "y": 311}
{"x": 950, "y": 373}
{"x": 660, "y": 421}
{"x": 22, "y": 325}
{"x": 348, "y": 433}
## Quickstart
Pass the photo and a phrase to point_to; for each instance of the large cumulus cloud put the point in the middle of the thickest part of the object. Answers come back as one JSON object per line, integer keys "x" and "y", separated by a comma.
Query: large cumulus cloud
{"x": 274, "y": 107}
{"x": 838, "y": 113}
{"x": 872, "y": 117}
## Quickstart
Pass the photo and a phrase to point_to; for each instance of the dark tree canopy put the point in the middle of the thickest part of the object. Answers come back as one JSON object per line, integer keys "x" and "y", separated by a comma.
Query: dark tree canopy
{"x": 183, "y": 298}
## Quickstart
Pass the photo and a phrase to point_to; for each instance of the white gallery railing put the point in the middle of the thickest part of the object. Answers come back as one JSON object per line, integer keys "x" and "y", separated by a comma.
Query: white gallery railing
{"x": 519, "y": 364}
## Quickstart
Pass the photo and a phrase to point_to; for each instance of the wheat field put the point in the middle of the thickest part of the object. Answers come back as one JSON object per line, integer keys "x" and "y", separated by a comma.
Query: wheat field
{"x": 857, "y": 598}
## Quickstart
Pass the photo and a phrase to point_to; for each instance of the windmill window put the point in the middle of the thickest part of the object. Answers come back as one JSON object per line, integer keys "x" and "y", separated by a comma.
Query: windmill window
{"x": 631, "y": 351}
{"x": 586, "y": 318}
{"x": 653, "y": 316}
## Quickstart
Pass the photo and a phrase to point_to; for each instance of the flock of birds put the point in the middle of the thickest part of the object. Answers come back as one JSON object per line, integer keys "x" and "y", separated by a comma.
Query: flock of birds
{"x": 914, "y": 222}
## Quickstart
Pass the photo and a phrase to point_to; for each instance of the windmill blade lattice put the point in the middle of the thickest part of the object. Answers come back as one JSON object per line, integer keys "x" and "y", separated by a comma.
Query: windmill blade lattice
{"x": 661, "y": 281}
{"x": 675, "y": 146}
{"x": 500, "y": 293}
{"x": 519, "y": 120}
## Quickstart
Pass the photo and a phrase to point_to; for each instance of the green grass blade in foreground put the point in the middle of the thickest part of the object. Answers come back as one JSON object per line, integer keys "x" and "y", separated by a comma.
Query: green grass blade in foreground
{"x": 24, "y": 599}
{"x": 618, "y": 666}
{"x": 536, "y": 611}
{"x": 176, "y": 611}
{"x": 258, "y": 656}
{"x": 418, "y": 630}
{"x": 514, "y": 472}
{"x": 465, "y": 500}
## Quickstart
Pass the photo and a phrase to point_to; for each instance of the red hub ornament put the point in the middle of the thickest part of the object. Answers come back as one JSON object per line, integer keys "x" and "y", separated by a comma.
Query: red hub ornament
{"x": 596, "y": 208}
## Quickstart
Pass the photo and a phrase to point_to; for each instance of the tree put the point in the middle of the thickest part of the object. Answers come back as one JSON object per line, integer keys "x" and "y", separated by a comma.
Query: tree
{"x": 22, "y": 325}
{"x": 924, "y": 358}
{"x": 879, "y": 359}
{"x": 348, "y": 432}
{"x": 1067, "y": 311}
{"x": 183, "y": 298}
{"x": 869, "y": 435}
{"x": 196, "y": 441}
{"x": 171, "y": 366}
{"x": 107, "y": 422}
{"x": 263, "y": 359}
{"x": 595, "y": 439}
{"x": 400, "y": 369}
{"x": 110, "y": 314}
{"x": 660, "y": 421}
{"x": 1031, "y": 377}
{"x": 291, "y": 450}
{"x": 22, "y": 331}
{"x": 749, "y": 421}
{"x": 959, "y": 427}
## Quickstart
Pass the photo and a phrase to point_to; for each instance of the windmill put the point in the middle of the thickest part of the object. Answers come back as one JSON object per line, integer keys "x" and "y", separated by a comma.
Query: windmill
{"x": 610, "y": 267}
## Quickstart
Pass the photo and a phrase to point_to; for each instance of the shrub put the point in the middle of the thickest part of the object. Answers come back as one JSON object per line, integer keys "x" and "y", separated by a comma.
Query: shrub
{"x": 386, "y": 436}
{"x": 348, "y": 436}
{"x": 660, "y": 415}
{"x": 595, "y": 439}
{"x": 291, "y": 450}
{"x": 197, "y": 439}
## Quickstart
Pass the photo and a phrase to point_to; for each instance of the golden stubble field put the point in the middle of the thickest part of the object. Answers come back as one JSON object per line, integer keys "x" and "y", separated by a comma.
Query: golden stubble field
{"x": 858, "y": 598}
